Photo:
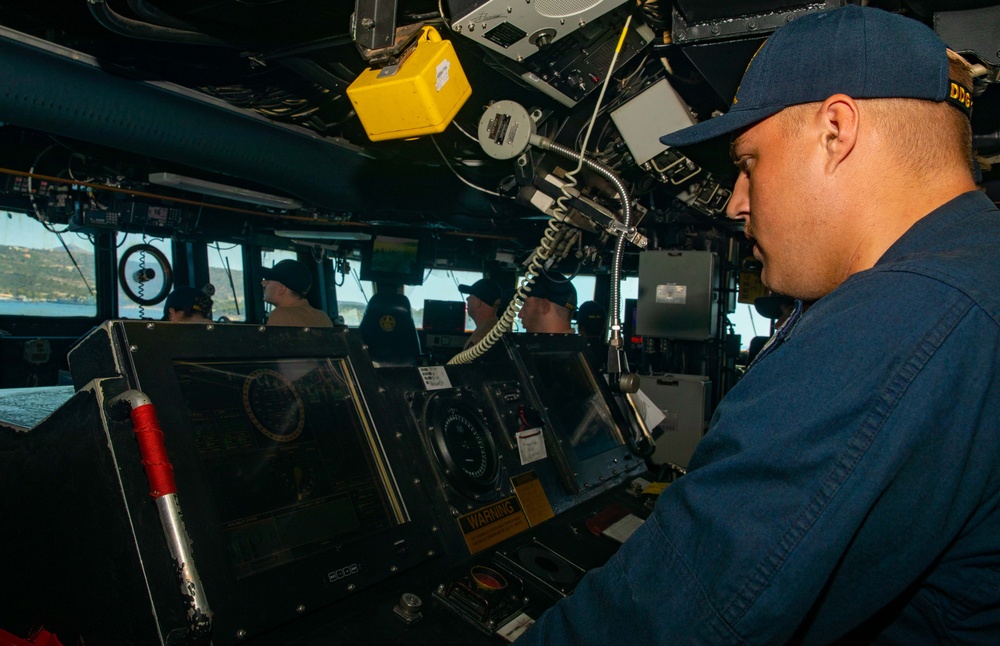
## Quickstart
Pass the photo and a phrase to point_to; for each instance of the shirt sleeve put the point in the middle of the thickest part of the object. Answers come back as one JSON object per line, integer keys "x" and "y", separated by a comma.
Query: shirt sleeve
{"x": 810, "y": 503}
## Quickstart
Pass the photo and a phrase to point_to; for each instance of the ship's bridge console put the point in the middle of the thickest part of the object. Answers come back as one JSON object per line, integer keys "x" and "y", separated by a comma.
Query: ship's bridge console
{"x": 315, "y": 499}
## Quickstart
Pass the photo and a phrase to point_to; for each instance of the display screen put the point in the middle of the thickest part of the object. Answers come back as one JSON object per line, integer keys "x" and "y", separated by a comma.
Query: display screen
{"x": 394, "y": 255}
{"x": 575, "y": 406}
{"x": 292, "y": 465}
{"x": 444, "y": 316}
{"x": 392, "y": 259}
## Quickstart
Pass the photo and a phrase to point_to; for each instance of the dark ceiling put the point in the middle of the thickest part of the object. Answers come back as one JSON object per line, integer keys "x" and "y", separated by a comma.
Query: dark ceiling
{"x": 252, "y": 93}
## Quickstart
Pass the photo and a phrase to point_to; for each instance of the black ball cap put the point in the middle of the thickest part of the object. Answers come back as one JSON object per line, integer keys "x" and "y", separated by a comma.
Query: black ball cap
{"x": 290, "y": 273}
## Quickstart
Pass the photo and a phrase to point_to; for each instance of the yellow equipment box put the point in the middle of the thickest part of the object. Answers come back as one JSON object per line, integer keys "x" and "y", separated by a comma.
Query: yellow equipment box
{"x": 419, "y": 96}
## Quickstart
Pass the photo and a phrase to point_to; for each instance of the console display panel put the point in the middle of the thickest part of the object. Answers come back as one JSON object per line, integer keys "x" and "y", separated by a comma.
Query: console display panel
{"x": 583, "y": 424}
{"x": 290, "y": 461}
{"x": 576, "y": 407}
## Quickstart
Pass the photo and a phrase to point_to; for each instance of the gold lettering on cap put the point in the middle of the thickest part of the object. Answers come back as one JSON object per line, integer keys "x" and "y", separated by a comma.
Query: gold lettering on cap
{"x": 960, "y": 94}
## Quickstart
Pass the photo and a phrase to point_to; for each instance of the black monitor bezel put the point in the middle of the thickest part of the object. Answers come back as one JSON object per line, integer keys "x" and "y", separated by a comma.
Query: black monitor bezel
{"x": 261, "y": 601}
{"x": 578, "y": 474}
{"x": 415, "y": 276}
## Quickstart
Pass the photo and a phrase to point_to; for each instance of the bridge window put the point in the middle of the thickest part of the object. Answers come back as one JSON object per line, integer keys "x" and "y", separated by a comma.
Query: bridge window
{"x": 225, "y": 272}
{"x": 145, "y": 276}
{"x": 45, "y": 270}
{"x": 352, "y": 297}
{"x": 271, "y": 257}
{"x": 630, "y": 289}
{"x": 440, "y": 285}
{"x": 748, "y": 324}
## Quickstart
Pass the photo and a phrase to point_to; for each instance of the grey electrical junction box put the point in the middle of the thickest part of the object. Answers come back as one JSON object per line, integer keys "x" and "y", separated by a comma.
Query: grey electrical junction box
{"x": 657, "y": 111}
{"x": 682, "y": 400}
{"x": 676, "y": 295}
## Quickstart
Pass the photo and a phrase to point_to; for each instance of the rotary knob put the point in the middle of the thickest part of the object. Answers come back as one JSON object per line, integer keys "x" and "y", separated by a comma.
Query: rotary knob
{"x": 408, "y": 607}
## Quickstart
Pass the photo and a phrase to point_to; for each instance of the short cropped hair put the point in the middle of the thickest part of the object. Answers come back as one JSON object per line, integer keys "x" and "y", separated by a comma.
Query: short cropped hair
{"x": 926, "y": 136}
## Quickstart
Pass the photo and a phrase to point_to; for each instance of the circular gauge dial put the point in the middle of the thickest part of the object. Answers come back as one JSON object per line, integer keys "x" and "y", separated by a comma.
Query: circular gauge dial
{"x": 465, "y": 447}
{"x": 273, "y": 405}
{"x": 468, "y": 445}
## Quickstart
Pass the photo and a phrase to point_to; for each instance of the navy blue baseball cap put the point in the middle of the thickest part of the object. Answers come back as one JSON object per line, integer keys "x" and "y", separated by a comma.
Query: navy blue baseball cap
{"x": 862, "y": 52}
{"x": 486, "y": 290}
{"x": 554, "y": 287}
{"x": 188, "y": 299}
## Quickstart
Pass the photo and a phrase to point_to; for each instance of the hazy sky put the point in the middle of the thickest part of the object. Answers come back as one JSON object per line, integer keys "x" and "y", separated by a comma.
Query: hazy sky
{"x": 20, "y": 230}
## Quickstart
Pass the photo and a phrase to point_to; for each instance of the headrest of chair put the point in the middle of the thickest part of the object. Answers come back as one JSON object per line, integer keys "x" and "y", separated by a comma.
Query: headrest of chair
{"x": 389, "y": 300}
{"x": 388, "y": 330}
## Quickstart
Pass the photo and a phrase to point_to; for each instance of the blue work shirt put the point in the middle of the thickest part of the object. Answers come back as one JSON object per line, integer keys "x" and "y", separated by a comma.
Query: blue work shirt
{"x": 848, "y": 488}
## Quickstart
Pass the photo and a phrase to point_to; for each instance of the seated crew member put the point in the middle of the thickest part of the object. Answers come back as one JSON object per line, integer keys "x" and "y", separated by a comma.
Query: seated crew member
{"x": 285, "y": 286}
{"x": 549, "y": 306}
{"x": 848, "y": 489}
{"x": 592, "y": 321}
{"x": 592, "y": 324}
{"x": 188, "y": 305}
{"x": 484, "y": 298}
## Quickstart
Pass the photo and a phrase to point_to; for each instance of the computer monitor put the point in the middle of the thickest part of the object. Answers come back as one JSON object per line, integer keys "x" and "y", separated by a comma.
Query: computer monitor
{"x": 287, "y": 487}
{"x": 444, "y": 316}
{"x": 588, "y": 430}
{"x": 288, "y": 457}
{"x": 393, "y": 259}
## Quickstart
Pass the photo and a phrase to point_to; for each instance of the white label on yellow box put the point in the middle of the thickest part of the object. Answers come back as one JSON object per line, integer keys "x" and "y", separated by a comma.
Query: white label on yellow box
{"x": 442, "y": 74}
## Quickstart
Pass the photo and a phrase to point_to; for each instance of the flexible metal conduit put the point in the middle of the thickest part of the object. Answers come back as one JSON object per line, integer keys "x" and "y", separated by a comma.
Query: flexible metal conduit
{"x": 545, "y": 250}
{"x": 616, "y": 262}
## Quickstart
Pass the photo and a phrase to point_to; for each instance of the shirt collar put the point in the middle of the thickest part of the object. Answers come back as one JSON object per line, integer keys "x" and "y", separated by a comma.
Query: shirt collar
{"x": 927, "y": 228}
